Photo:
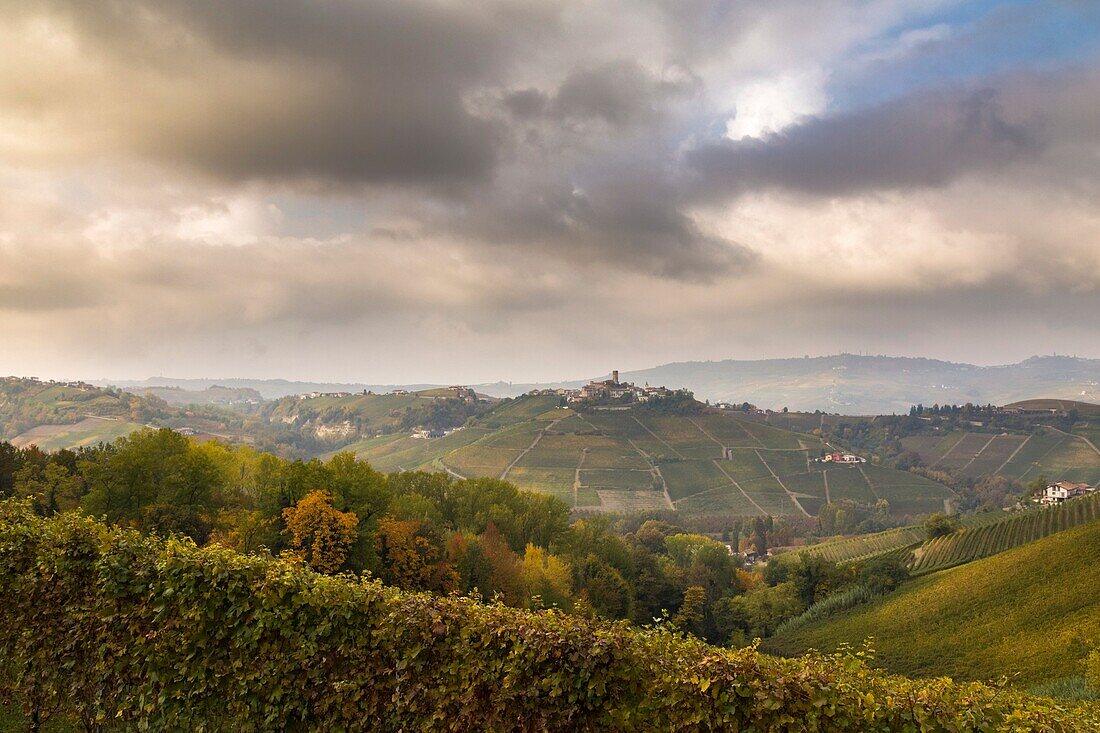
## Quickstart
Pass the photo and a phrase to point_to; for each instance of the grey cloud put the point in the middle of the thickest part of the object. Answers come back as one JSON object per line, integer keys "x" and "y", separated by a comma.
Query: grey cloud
{"x": 336, "y": 90}
{"x": 278, "y": 282}
{"x": 620, "y": 93}
{"x": 923, "y": 140}
{"x": 628, "y": 217}
{"x": 43, "y": 294}
{"x": 526, "y": 104}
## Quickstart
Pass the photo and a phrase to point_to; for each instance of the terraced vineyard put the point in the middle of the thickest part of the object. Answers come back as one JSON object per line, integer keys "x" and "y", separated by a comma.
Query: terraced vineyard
{"x": 1047, "y": 452}
{"x": 981, "y": 535}
{"x": 1022, "y": 614}
{"x": 621, "y": 460}
{"x": 973, "y": 543}
{"x": 861, "y": 547}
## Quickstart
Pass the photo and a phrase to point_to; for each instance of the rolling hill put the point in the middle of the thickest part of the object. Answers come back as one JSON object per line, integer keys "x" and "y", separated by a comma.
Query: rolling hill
{"x": 212, "y": 395}
{"x": 1026, "y": 614}
{"x": 56, "y": 415}
{"x": 341, "y": 417}
{"x": 63, "y": 415}
{"x": 622, "y": 460}
{"x": 873, "y": 385}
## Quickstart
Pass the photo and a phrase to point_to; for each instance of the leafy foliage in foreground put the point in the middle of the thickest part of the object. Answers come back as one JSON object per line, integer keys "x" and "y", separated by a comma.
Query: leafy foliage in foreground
{"x": 116, "y": 628}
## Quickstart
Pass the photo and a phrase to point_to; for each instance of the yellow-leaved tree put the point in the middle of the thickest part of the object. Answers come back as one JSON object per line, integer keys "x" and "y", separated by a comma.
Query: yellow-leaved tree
{"x": 321, "y": 535}
{"x": 547, "y": 578}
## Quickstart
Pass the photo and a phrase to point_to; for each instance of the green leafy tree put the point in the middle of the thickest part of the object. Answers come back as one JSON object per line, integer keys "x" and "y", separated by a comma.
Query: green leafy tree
{"x": 940, "y": 525}
{"x": 692, "y": 611}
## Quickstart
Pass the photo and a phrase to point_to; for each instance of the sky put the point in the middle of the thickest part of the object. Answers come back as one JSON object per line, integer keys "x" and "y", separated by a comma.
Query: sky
{"x": 441, "y": 191}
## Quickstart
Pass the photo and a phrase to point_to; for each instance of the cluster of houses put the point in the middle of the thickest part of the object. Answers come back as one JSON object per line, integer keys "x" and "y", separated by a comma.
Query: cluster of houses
{"x": 82, "y": 386}
{"x": 1061, "y": 491}
{"x": 315, "y": 395}
{"x": 428, "y": 433}
{"x": 609, "y": 390}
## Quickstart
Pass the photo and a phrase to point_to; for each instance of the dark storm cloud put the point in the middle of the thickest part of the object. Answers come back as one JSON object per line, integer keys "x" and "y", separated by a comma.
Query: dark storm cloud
{"x": 332, "y": 90}
{"x": 922, "y": 140}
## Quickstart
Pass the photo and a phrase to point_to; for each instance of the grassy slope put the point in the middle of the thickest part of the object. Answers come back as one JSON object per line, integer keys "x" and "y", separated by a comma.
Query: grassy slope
{"x": 90, "y": 431}
{"x": 1023, "y": 614}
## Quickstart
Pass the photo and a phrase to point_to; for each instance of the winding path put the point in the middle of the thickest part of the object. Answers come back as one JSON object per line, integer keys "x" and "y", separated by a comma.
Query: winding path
{"x": 538, "y": 437}
{"x": 868, "y": 480}
{"x": 1074, "y": 435}
{"x": 790, "y": 494}
{"x": 734, "y": 482}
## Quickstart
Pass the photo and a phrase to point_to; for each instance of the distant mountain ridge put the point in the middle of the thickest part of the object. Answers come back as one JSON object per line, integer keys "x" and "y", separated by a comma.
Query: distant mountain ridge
{"x": 867, "y": 385}
{"x": 845, "y": 383}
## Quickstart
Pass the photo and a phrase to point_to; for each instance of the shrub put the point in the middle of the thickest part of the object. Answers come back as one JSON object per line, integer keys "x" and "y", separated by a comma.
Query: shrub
{"x": 940, "y": 525}
{"x": 107, "y": 625}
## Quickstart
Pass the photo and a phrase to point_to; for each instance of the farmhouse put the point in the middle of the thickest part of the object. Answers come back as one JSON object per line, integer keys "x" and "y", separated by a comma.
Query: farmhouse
{"x": 844, "y": 458}
{"x": 1060, "y": 491}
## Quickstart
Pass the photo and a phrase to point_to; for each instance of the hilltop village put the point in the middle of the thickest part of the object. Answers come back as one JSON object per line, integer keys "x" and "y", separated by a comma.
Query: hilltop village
{"x": 611, "y": 391}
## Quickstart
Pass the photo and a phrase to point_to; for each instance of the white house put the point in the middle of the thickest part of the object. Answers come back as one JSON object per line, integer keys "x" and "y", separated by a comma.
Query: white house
{"x": 1060, "y": 491}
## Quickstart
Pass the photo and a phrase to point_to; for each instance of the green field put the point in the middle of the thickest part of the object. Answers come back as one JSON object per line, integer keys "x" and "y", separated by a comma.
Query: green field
{"x": 707, "y": 462}
{"x": 1024, "y": 614}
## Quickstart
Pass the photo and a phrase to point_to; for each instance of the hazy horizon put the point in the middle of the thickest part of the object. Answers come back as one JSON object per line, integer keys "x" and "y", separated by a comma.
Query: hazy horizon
{"x": 118, "y": 380}
{"x": 531, "y": 190}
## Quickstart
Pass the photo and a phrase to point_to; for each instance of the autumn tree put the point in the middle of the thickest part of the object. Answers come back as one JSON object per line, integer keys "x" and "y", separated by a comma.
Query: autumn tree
{"x": 547, "y": 578}
{"x": 413, "y": 556}
{"x": 320, "y": 534}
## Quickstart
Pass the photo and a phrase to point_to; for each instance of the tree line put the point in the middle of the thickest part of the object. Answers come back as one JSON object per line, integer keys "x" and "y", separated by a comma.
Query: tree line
{"x": 479, "y": 537}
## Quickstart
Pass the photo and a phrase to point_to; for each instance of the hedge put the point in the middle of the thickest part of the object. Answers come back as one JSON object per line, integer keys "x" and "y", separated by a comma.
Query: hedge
{"x": 117, "y": 630}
